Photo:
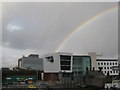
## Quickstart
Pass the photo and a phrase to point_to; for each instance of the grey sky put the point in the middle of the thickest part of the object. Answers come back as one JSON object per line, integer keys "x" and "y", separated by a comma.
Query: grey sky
{"x": 40, "y": 27}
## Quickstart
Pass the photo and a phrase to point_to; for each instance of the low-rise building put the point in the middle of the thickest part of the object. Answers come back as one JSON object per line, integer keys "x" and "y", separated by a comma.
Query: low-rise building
{"x": 107, "y": 66}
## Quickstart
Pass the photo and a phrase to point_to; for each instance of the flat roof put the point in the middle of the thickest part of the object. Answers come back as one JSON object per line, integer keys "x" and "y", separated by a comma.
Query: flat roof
{"x": 107, "y": 60}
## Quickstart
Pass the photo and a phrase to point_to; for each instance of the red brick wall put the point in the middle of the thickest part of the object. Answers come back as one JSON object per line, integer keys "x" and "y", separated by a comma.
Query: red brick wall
{"x": 51, "y": 76}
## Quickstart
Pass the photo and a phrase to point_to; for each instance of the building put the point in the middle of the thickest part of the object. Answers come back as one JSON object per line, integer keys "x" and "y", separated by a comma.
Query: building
{"x": 107, "y": 66}
{"x": 60, "y": 64}
{"x": 31, "y": 62}
{"x": 56, "y": 63}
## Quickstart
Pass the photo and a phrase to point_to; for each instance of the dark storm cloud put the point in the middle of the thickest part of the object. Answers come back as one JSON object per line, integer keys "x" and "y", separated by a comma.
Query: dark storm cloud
{"x": 40, "y": 28}
{"x": 44, "y": 25}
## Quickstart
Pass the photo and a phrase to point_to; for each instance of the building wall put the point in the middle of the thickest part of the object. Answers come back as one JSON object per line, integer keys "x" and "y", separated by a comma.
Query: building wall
{"x": 52, "y": 62}
{"x": 51, "y": 76}
{"x": 107, "y": 65}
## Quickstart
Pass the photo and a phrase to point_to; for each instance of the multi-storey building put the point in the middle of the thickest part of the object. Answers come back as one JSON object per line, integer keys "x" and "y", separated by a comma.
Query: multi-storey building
{"x": 107, "y": 66}
{"x": 65, "y": 63}
{"x": 31, "y": 62}
{"x": 56, "y": 63}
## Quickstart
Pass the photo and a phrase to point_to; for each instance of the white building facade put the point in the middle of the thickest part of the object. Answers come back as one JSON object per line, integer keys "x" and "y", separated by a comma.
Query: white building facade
{"x": 107, "y": 66}
{"x": 58, "y": 62}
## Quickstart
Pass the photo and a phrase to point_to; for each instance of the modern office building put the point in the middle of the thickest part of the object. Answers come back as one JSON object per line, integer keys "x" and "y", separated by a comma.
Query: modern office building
{"x": 56, "y": 63}
{"x": 61, "y": 64}
{"x": 31, "y": 62}
{"x": 107, "y": 66}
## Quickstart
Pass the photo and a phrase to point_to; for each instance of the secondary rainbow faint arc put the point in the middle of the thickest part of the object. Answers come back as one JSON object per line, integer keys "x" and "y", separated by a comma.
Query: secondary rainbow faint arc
{"x": 83, "y": 25}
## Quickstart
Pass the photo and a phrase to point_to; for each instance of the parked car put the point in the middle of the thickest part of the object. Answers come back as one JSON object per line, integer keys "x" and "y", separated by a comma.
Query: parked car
{"x": 31, "y": 86}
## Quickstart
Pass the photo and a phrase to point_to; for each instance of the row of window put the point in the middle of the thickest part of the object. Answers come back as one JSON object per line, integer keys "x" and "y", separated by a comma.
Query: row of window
{"x": 107, "y": 67}
{"x": 107, "y": 63}
{"x": 110, "y": 72}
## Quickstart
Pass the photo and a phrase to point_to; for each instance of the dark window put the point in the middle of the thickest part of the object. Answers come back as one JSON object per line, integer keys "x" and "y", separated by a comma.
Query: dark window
{"x": 110, "y": 63}
{"x": 116, "y": 63}
{"x": 65, "y": 57}
{"x": 101, "y": 63}
{"x": 98, "y": 63}
{"x": 65, "y": 62}
{"x": 107, "y": 63}
{"x": 107, "y": 67}
{"x": 113, "y": 63}
{"x": 105, "y": 71}
{"x": 50, "y": 58}
{"x": 104, "y": 67}
{"x": 104, "y": 63}
{"x": 65, "y": 67}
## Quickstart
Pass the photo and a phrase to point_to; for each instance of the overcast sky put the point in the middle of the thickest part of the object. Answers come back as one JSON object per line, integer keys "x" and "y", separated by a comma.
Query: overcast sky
{"x": 38, "y": 27}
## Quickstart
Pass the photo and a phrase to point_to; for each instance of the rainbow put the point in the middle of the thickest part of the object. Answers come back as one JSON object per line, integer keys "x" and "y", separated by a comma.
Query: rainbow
{"x": 73, "y": 32}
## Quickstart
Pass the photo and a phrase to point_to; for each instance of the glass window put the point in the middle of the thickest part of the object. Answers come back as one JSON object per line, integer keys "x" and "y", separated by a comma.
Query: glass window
{"x": 104, "y": 63}
{"x": 65, "y": 57}
{"x": 113, "y": 63}
{"x": 110, "y": 63}
{"x": 104, "y": 67}
{"x": 98, "y": 63}
{"x": 101, "y": 63}
{"x": 65, "y": 67}
{"x": 107, "y": 67}
{"x": 65, "y": 62}
{"x": 105, "y": 71}
{"x": 107, "y": 63}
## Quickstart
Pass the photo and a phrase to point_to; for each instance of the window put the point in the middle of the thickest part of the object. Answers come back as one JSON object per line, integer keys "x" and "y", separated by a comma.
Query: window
{"x": 107, "y": 67}
{"x": 65, "y": 57}
{"x": 98, "y": 63}
{"x": 110, "y": 63}
{"x": 50, "y": 58}
{"x": 104, "y": 63}
{"x": 65, "y": 67}
{"x": 107, "y": 63}
{"x": 65, "y": 62}
{"x": 105, "y": 71}
{"x": 114, "y": 71}
{"x": 113, "y": 63}
{"x": 110, "y": 67}
{"x": 104, "y": 67}
{"x": 101, "y": 63}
